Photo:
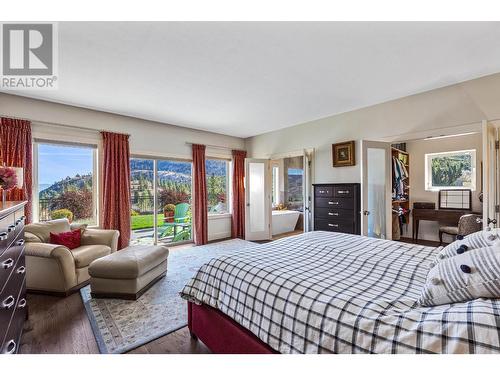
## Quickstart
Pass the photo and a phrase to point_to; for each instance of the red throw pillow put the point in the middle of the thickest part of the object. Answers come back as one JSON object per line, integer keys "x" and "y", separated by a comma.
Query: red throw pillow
{"x": 71, "y": 240}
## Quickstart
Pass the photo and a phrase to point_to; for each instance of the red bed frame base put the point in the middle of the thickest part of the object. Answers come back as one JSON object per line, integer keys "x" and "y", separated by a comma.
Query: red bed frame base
{"x": 221, "y": 334}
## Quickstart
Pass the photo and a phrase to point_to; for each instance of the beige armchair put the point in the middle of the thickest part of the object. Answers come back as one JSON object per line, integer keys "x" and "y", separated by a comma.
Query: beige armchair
{"x": 55, "y": 269}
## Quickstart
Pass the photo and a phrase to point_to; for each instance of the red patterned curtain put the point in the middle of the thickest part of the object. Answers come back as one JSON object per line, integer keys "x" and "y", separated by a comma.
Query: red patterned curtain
{"x": 238, "y": 218}
{"x": 115, "y": 212}
{"x": 200, "y": 209}
{"x": 16, "y": 149}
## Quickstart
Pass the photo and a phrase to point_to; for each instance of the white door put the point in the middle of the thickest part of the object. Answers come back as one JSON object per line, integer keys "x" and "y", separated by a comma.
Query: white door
{"x": 490, "y": 175}
{"x": 257, "y": 199}
{"x": 376, "y": 186}
{"x": 307, "y": 190}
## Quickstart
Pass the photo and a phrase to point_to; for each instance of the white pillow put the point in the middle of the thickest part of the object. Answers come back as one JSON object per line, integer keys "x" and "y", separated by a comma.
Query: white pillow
{"x": 473, "y": 274}
{"x": 482, "y": 238}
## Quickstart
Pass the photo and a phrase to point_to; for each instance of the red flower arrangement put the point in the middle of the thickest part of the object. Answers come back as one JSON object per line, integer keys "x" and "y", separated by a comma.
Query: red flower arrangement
{"x": 8, "y": 178}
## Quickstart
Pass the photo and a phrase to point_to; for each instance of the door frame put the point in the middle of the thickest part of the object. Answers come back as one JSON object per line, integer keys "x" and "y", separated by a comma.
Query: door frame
{"x": 490, "y": 174}
{"x": 365, "y": 144}
{"x": 266, "y": 234}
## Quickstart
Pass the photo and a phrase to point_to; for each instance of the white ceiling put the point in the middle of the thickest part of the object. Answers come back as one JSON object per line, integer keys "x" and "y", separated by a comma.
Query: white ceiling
{"x": 245, "y": 79}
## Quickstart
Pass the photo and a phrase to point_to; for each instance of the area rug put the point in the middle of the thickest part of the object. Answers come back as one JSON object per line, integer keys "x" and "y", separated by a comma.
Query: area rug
{"x": 121, "y": 325}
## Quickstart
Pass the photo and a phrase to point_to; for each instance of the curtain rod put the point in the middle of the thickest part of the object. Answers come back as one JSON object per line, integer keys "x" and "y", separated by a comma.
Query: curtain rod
{"x": 60, "y": 124}
{"x": 215, "y": 146}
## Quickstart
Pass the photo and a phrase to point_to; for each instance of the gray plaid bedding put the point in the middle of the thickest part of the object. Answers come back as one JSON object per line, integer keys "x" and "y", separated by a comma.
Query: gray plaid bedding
{"x": 324, "y": 292}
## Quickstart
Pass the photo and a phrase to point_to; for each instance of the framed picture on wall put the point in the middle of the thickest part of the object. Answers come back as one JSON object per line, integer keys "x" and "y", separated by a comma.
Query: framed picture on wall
{"x": 344, "y": 154}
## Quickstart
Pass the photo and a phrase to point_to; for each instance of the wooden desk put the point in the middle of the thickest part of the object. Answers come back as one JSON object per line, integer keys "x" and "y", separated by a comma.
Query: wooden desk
{"x": 449, "y": 217}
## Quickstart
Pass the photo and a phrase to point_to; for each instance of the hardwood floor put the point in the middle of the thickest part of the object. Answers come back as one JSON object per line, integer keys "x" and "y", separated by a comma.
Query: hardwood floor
{"x": 60, "y": 326}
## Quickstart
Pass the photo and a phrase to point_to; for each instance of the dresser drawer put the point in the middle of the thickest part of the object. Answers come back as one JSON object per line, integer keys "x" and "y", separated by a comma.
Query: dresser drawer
{"x": 346, "y": 191}
{"x": 346, "y": 203}
{"x": 13, "y": 293}
{"x": 19, "y": 223}
{"x": 12, "y": 339}
{"x": 323, "y": 191}
{"x": 334, "y": 213}
{"x": 9, "y": 259}
{"x": 334, "y": 226}
{"x": 7, "y": 231}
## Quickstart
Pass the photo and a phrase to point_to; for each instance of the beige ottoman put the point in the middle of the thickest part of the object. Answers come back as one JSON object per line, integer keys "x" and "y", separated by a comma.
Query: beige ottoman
{"x": 128, "y": 273}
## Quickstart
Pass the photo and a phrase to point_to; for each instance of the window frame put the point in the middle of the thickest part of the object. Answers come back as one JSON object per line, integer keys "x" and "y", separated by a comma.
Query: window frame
{"x": 229, "y": 189}
{"x": 428, "y": 172}
{"x": 95, "y": 176}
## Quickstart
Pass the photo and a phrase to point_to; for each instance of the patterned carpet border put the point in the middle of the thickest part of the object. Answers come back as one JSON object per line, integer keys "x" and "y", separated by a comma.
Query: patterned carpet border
{"x": 121, "y": 325}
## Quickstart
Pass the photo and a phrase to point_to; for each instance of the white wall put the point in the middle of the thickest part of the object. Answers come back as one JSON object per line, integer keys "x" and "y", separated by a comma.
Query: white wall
{"x": 449, "y": 110}
{"x": 57, "y": 121}
{"x": 417, "y": 149}
{"x": 432, "y": 112}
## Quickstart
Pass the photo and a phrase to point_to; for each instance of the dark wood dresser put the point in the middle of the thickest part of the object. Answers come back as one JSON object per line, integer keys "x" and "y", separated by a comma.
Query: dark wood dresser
{"x": 13, "y": 309}
{"x": 337, "y": 208}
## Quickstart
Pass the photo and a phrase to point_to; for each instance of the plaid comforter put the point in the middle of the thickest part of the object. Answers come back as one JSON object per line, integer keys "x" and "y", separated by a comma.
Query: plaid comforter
{"x": 324, "y": 292}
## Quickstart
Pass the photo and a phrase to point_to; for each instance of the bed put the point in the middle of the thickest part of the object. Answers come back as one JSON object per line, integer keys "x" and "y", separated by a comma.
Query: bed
{"x": 325, "y": 292}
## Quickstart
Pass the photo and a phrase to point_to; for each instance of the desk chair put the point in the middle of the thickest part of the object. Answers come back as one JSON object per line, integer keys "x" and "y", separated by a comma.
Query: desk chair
{"x": 467, "y": 224}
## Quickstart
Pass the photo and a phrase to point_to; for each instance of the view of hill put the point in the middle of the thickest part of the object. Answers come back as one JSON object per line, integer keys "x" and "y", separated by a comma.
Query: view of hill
{"x": 69, "y": 183}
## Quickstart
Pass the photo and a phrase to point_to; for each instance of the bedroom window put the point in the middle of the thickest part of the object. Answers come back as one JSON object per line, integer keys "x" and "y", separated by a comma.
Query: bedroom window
{"x": 450, "y": 170}
{"x": 160, "y": 200}
{"x": 217, "y": 172}
{"x": 65, "y": 182}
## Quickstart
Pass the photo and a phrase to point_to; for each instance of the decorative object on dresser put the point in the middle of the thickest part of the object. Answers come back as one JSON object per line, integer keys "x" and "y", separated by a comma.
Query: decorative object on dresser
{"x": 13, "y": 309}
{"x": 10, "y": 178}
{"x": 337, "y": 208}
{"x": 344, "y": 154}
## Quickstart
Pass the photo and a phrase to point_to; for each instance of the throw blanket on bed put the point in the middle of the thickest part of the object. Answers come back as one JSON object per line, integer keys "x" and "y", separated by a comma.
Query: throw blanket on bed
{"x": 324, "y": 292}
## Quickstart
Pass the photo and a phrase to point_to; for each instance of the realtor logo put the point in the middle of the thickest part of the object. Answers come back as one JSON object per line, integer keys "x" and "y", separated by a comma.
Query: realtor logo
{"x": 28, "y": 56}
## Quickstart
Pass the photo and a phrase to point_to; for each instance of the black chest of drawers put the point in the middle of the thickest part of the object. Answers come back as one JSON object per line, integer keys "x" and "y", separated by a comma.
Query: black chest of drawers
{"x": 13, "y": 309}
{"x": 337, "y": 208}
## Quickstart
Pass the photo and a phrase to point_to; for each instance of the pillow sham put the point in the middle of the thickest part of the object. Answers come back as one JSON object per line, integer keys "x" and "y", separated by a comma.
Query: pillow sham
{"x": 464, "y": 277}
{"x": 482, "y": 238}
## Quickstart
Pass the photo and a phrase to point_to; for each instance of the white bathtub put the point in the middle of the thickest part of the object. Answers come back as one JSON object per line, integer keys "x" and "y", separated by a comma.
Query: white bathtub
{"x": 284, "y": 221}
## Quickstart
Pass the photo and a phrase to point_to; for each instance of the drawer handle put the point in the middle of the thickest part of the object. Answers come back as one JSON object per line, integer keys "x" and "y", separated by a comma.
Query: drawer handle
{"x": 21, "y": 270}
{"x": 333, "y": 225}
{"x": 20, "y": 243}
{"x": 22, "y": 304}
{"x": 10, "y": 347}
{"x": 330, "y": 202}
{"x": 333, "y": 213}
{"x": 6, "y": 264}
{"x": 3, "y": 236}
{"x": 343, "y": 191}
{"x": 8, "y": 302}
{"x": 322, "y": 191}
{"x": 11, "y": 227}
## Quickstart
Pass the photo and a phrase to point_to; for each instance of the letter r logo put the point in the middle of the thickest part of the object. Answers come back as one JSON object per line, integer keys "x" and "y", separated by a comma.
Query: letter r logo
{"x": 27, "y": 49}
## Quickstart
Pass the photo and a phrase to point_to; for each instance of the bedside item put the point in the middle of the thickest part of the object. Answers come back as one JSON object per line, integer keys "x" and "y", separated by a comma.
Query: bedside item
{"x": 456, "y": 199}
{"x": 128, "y": 273}
{"x": 428, "y": 205}
{"x": 344, "y": 154}
{"x": 55, "y": 269}
{"x": 13, "y": 309}
{"x": 337, "y": 208}
{"x": 467, "y": 224}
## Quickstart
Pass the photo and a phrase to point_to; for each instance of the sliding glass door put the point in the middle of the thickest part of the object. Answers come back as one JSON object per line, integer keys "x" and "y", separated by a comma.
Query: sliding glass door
{"x": 160, "y": 200}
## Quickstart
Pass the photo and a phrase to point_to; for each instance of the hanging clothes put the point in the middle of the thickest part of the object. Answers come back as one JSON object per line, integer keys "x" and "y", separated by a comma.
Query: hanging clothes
{"x": 400, "y": 175}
